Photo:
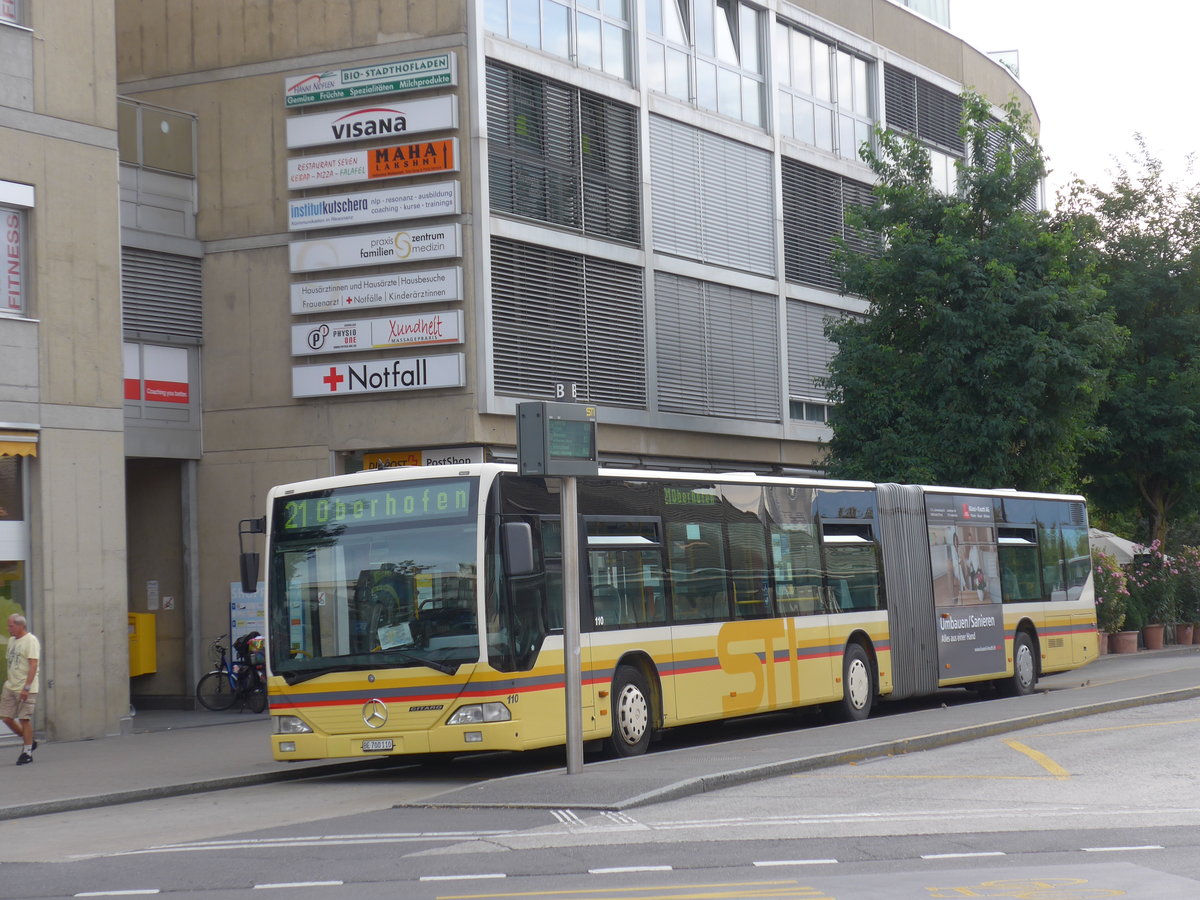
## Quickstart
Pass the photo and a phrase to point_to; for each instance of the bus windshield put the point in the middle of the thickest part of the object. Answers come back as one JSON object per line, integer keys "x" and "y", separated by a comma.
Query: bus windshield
{"x": 372, "y": 576}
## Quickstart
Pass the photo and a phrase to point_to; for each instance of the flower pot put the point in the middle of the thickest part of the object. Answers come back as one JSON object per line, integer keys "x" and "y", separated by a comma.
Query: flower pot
{"x": 1183, "y": 633}
{"x": 1102, "y": 643}
{"x": 1152, "y": 636}
{"x": 1123, "y": 642}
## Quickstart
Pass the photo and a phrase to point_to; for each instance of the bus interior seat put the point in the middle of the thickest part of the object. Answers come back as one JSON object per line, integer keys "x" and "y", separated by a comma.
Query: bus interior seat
{"x": 606, "y": 604}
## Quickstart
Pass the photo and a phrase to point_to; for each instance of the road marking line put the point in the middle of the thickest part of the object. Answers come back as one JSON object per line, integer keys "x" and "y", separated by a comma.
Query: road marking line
{"x": 462, "y": 877}
{"x": 297, "y": 884}
{"x": 1120, "y": 849}
{"x": 961, "y": 855}
{"x": 621, "y": 870}
{"x": 796, "y": 862}
{"x": 128, "y": 893}
{"x": 1040, "y": 758}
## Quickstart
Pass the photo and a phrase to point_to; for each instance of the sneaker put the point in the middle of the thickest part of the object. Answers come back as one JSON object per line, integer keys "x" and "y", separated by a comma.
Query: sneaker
{"x": 24, "y": 758}
{"x": 34, "y": 747}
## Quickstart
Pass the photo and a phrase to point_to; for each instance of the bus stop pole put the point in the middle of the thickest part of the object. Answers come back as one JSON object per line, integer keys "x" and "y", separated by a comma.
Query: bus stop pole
{"x": 573, "y": 679}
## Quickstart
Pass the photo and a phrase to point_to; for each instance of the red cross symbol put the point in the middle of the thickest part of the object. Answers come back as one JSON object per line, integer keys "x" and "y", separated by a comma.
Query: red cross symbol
{"x": 333, "y": 379}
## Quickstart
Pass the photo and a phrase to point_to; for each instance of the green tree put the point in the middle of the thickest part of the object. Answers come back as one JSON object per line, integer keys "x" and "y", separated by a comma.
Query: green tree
{"x": 985, "y": 348}
{"x": 1146, "y": 234}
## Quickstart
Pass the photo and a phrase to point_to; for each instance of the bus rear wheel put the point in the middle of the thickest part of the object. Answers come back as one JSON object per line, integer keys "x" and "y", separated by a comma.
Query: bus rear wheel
{"x": 858, "y": 686}
{"x": 632, "y": 713}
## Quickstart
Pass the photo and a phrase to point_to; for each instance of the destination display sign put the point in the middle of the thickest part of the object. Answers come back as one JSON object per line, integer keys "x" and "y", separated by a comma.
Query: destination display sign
{"x": 373, "y": 80}
{"x": 393, "y": 121}
{"x": 372, "y": 291}
{"x": 393, "y": 161}
{"x": 377, "y": 248}
{"x": 390, "y": 204}
{"x": 391, "y": 332}
{"x": 379, "y": 375}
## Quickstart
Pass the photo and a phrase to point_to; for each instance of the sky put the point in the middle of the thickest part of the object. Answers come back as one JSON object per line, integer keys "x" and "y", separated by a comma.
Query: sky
{"x": 1099, "y": 71}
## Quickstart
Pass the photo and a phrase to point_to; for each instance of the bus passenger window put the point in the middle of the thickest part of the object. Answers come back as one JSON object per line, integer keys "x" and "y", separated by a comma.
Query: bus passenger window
{"x": 751, "y": 576}
{"x": 852, "y": 569}
{"x": 797, "y": 565}
{"x": 1020, "y": 576}
{"x": 698, "y": 578}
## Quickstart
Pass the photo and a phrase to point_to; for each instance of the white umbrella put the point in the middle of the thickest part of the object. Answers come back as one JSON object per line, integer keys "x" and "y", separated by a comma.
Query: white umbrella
{"x": 1120, "y": 549}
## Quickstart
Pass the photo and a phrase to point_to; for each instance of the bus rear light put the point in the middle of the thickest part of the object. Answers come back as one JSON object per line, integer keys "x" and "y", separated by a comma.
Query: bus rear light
{"x": 480, "y": 712}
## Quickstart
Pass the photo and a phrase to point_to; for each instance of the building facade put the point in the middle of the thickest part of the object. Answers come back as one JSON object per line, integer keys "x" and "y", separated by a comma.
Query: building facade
{"x": 358, "y": 233}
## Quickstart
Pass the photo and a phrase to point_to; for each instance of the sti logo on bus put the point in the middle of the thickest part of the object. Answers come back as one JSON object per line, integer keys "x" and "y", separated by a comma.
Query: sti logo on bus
{"x": 362, "y": 123}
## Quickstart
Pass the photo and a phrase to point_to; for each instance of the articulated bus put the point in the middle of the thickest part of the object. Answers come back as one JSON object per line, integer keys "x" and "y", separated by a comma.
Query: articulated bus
{"x": 419, "y": 610}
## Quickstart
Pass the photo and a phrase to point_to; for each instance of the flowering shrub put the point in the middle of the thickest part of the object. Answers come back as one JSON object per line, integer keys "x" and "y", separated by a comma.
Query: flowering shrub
{"x": 1154, "y": 586}
{"x": 1112, "y": 592}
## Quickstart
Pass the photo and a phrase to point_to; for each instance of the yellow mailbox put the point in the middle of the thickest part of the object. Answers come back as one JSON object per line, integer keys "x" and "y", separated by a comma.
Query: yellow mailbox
{"x": 143, "y": 648}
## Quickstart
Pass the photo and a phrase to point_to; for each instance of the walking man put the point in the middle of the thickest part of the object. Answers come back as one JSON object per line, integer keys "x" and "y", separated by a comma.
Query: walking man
{"x": 19, "y": 694}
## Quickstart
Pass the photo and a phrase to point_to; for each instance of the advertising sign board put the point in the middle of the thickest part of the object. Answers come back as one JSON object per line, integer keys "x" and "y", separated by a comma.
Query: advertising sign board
{"x": 392, "y": 161}
{"x": 390, "y": 204}
{"x": 394, "y": 77}
{"x": 394, "y": 121}
{"x": 376, "y": 248}
{"x": 371, "y": 291}
{"x": 424, "y": 329}
{"x": 378, "y": 375}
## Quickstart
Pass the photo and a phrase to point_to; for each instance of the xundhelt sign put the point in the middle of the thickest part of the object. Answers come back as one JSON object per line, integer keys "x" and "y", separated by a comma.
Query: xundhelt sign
{"x": 391, "y": 332}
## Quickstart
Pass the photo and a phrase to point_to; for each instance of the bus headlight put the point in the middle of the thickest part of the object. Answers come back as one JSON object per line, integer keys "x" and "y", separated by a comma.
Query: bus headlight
{"x": 480, "y": 712}
{"x": 290, "y": 725}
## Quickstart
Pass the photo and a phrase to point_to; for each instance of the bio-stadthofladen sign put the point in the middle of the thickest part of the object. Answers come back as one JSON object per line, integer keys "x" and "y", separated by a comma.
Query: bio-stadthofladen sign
{"x": 370, "y": 81}
{"x": 379, "y": 375}
{"x": 370, "y": 291}
{"x": 377, "y": 248}
{"x": 333, "y": 210}
{"x": 392, "y": 161}
{"x": 392, "y": 333}
{"x": 392, "y": 121}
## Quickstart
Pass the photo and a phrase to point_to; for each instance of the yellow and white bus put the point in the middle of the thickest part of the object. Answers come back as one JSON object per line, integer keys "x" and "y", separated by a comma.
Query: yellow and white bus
{"x": 419, "y": 610}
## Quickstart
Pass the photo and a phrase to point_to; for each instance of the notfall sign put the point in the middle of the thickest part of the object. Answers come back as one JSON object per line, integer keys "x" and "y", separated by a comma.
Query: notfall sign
{"x": 377, "y": 248}
{"x": 391, "y": 121}
{"x": 379, "y": 375}
{"x": 391, "y": 332}
{"x": 390, "y": 204}
{"x": 371, "y": 291}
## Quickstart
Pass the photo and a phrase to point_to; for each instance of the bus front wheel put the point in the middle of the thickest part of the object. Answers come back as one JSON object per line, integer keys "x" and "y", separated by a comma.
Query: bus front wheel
{"x": 1024, "y": 675}
{"x": 858, "y": 686}
{"x": 631, "y": 712}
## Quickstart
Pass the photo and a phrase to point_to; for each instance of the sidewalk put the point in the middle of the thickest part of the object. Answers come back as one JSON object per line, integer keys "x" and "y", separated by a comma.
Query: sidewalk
{"x": 171, "y": 753}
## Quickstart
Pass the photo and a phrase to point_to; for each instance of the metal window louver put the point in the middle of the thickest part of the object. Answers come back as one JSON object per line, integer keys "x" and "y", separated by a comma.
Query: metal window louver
{"x": 562, "y": 317}
{"x": 161, "y": 294}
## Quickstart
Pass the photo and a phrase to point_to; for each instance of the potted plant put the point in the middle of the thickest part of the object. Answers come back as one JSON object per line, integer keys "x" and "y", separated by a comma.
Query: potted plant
{"x": 1187, "y": 563}
{"x": 1112, "y": 595}
{"x": 1152, "y": 588}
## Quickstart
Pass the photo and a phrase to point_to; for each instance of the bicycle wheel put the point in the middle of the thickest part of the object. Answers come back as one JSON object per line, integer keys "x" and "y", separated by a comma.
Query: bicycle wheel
{"x": 214, "y": 692}
{"x": 256, "y": 697}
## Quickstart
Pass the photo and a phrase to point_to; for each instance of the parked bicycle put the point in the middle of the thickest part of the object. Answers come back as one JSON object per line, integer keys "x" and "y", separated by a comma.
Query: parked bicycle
{"x": 233, "y": 681}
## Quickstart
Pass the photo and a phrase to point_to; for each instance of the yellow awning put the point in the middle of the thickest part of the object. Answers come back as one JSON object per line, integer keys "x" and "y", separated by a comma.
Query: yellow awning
{"x": 18, "y": 443}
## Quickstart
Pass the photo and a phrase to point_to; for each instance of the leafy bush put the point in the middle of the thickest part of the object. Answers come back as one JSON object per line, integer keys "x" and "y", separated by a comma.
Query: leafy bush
{"x": 1112, "y": 593}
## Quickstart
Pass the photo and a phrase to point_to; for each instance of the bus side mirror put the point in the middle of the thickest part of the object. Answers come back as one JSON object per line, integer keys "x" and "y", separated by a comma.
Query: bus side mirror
{"x": 518, "y": 548}
{"x": 249, "y": 567}
{"x": 248, "y": 562}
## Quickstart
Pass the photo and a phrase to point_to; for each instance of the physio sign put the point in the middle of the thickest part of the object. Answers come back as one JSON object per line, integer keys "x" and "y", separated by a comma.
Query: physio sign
{"x": 386, "y": 120}
{"x": 370, "y": 81}
{"x": 379, "y": 375}
{"x": 376, "y": 248}
{"x": 392, "y": 332}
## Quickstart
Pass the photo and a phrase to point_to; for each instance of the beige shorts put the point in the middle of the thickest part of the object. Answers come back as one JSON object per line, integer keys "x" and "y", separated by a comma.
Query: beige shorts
{"x": 13, "y": 707}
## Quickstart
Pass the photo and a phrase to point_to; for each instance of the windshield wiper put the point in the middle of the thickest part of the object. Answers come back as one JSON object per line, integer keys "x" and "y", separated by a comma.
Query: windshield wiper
{"x": 438, "y": 666}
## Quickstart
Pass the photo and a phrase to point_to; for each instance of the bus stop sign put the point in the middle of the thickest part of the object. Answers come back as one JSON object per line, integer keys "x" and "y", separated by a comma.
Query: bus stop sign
{"x": 556, "y": 438}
